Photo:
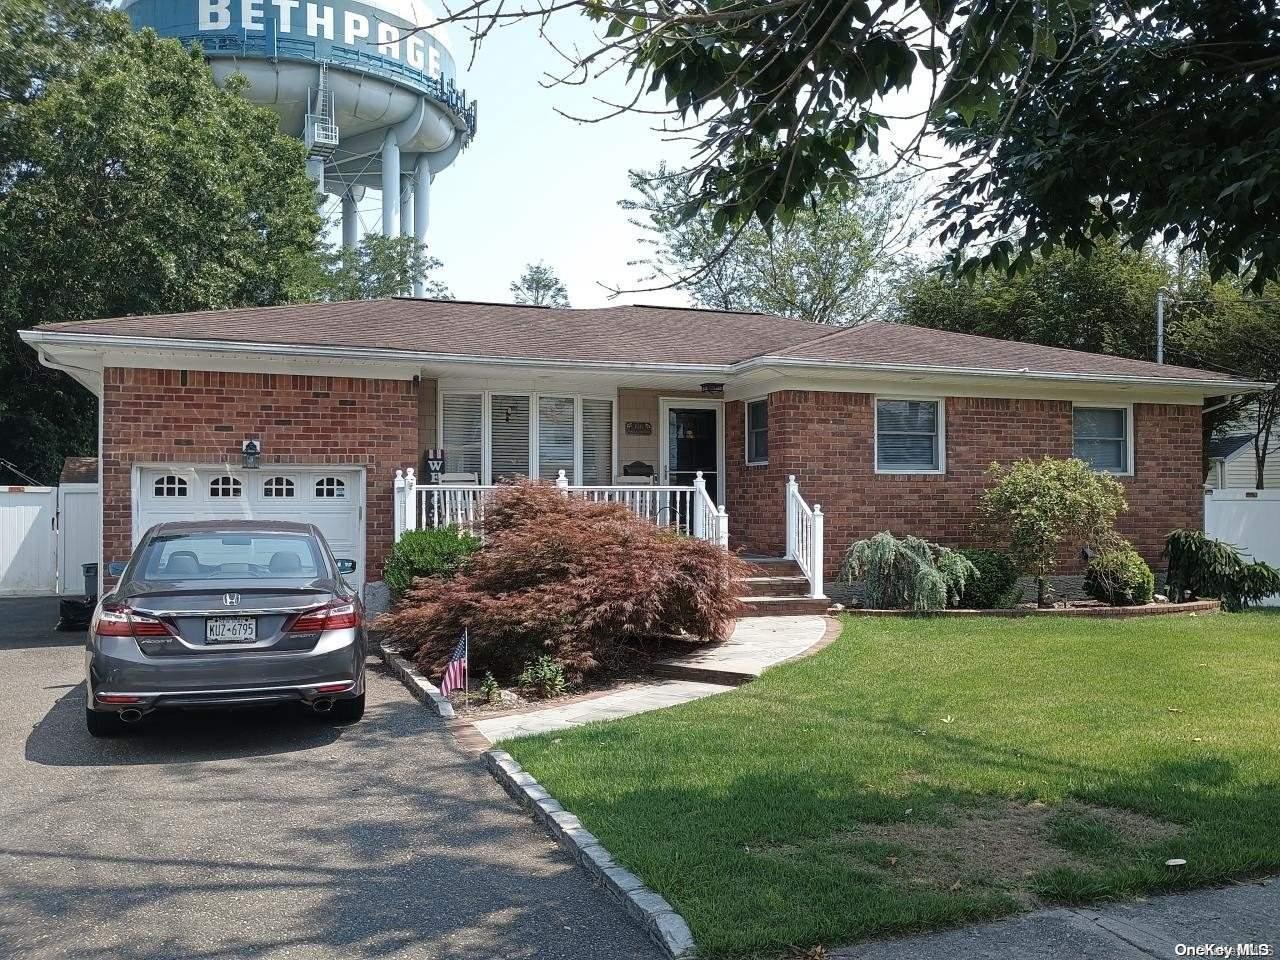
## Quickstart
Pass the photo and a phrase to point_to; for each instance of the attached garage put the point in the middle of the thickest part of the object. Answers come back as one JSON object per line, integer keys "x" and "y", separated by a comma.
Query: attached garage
{"x": 330, "y": 497}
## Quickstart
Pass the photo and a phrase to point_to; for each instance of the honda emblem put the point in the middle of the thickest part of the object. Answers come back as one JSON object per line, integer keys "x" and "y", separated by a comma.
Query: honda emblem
{"x": 231, "y": 599}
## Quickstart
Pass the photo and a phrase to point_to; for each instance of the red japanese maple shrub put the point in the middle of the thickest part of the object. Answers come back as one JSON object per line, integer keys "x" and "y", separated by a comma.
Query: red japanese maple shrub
{"x": 570, "y": 579}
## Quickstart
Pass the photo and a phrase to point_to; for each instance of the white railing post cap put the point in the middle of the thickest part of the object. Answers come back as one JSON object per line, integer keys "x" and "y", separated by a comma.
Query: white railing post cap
{"x": 409, "y": 478}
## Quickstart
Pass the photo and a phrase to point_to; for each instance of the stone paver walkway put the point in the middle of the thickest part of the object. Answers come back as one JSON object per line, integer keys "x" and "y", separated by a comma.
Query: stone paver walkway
{"x": 755, "y": 644}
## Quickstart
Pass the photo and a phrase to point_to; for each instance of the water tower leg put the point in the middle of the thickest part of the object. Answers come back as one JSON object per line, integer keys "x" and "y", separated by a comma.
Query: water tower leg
{"x": 390, "y": 187}
{"x": 421, "y": 211}
{"x": 350, "y": 221}
{"x": 406, "y": 206}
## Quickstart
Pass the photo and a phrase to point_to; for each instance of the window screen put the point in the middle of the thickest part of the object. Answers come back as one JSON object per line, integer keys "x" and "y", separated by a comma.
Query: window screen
{"x": 757, "y": 431}
{"x": 1100, "y": 438}
{"x": 555, "y": 437}
{"x": 907, "y": 435}
{"x": 463, "y": 433}
{"x": 597, "y": 442}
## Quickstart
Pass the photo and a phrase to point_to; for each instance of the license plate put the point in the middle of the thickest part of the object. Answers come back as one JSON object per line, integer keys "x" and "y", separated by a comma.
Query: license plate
{"x": 230, "y": 630}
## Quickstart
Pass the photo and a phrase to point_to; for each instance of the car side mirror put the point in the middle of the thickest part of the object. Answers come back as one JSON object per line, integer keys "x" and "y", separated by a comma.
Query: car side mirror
{"x": 346, "y": 566}
{"x": 116, "y": 567}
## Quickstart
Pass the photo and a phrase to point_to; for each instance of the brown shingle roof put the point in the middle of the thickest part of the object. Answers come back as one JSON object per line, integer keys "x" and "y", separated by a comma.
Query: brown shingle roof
{"x": 621, "y": 334}
{"x": 896, "y": 343}
{"x": 625, "y": 334}
{"x": 79, "y": 470}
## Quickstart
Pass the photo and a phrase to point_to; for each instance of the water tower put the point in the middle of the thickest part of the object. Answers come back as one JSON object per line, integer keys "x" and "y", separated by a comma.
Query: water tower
{"x": 363, "y": 84}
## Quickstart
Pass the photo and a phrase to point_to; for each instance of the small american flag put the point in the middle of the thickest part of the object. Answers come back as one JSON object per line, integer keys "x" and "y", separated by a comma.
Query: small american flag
{"x": 455, "y": 674}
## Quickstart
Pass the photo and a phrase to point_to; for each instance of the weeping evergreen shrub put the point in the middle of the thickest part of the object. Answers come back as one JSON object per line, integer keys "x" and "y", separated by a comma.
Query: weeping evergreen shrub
{"x": 907, "y": 574}
{"x": 1200, "y": 566}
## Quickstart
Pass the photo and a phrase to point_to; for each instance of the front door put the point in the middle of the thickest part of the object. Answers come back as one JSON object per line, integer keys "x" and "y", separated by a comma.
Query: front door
{"x": 693, "y": 445}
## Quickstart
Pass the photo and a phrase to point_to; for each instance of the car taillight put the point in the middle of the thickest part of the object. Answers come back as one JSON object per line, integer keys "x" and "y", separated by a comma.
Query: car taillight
{"x": 335, "y": 616}
{"x": 123, "y": 622}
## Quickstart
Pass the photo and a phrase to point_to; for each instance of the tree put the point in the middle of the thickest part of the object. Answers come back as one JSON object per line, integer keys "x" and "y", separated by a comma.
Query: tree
{"x": 129, "y": 183}
{"x": 540, "y": 287}
{"x": 837, "y": 261}
{"x": 1075, "y": 119}
{"x": 1042, "y": 507}
{"x": 377, "y": 267}
{"x": 1104, "y": 303}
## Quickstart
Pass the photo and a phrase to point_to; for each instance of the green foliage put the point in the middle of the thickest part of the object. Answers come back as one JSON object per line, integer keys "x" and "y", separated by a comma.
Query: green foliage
{"x": 1043, "y": 507}
{"x": 426, "y": 553}
{"x": 839, "y": 260}
{"x": 539, "y": 286}
{"x": 489, "y": 689}
{"x": 543, "y": 678}
{"x": 129, "y": 183}
{"x": 1119, "y": 576}
{"x": 375, "y": 268}
{"x": 1202, "y": 567}
{"x": 906, "y": 574}
{"x": 995, "y": 585}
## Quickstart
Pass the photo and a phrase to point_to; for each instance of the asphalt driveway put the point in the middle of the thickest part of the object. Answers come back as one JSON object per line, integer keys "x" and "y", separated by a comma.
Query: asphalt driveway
{"x": 266, "y": 835}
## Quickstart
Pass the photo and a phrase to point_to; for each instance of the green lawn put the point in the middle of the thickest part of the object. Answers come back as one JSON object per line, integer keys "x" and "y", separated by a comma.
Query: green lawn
{"x": 925, "y": 772}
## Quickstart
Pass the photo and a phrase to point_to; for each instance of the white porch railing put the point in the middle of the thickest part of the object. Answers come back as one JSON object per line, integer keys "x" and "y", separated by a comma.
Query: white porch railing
{"x": 804, "y": 537}
{"x": 687, "y": 510}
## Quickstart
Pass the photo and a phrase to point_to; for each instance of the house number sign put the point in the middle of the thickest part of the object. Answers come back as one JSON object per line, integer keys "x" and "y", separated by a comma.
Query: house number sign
{"x": 639, "y": 428}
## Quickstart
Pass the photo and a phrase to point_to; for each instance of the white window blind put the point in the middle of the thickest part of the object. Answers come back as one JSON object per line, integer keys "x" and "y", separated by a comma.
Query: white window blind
{"x": 463, "y": 433}
{"x": 509, "y": 431}
{"x": 907, "y": 435}
{"x": 555, "y": 437}
{"x": 597, "y": 442}
{"x": 1100, "y": 437}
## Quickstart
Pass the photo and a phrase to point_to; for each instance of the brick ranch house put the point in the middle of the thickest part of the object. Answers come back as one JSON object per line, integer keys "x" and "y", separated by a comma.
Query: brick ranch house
{"x": 884, "y": 426}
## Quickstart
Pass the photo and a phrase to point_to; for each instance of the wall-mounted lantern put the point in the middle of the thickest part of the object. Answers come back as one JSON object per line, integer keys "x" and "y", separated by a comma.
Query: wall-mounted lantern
{"x": 250, "y": 452}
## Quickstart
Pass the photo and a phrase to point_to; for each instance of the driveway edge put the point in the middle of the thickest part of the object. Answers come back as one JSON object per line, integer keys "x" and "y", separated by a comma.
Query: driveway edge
{"x": 650, "y": 909}
{"x": 421, "y": 688}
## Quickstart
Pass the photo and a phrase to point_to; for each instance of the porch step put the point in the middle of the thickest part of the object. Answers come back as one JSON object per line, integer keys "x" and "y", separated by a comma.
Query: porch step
{"x": 772, "y": 567}
{"x": 782, "y": 606}
{"x": 788, "y": 586}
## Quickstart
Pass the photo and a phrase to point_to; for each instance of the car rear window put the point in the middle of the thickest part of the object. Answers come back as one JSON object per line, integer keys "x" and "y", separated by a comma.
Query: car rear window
{"x": 231, "y": 556}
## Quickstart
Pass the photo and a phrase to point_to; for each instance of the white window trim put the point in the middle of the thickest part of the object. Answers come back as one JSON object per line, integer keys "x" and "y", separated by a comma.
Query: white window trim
{"x": 746, "y": 430}
{"x": 1129, "y": 439}
{"x": 486, "y": 425}
{"x": 942, "y": 434}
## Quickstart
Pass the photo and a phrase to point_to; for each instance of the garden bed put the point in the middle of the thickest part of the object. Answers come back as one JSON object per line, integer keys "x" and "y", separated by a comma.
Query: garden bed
{"x": 1081, "y": 608}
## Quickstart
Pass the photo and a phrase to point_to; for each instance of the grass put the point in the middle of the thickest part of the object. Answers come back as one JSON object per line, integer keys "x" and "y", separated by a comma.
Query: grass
{"x": 921, "y": 773}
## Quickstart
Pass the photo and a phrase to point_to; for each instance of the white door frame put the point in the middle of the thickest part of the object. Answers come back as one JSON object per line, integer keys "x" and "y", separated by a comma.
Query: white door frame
{"x": 664, "y": 434}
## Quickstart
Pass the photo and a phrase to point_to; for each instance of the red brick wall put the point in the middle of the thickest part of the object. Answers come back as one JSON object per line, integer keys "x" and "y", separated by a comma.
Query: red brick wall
{"x": 826, "y": 440}
{"x": 193, "y": 416}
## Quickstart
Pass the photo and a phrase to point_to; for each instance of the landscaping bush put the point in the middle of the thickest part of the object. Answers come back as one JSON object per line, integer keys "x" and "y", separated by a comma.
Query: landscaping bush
{"x": 1044, "y": 507}
{"x": 570, "y": 579}
{"x": 543, "y": 678}
{"x": 996, "y": 583}
{"x": 906, "y": 574}
{"x": 1119, "y": 576}
{"x": 426, "y": 553}
{"x": 1203, "y": 567}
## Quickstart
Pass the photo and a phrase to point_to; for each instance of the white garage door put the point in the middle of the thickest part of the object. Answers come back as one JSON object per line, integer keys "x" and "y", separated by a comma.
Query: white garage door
{"x": 330, "y": 497}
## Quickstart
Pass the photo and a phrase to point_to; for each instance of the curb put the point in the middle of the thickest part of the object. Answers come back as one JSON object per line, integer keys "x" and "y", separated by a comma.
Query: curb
{"x": 648, "y": 908}
{"x": 421, "y": 688}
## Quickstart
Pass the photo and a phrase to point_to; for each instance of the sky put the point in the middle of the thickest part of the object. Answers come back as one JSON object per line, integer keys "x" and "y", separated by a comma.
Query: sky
{"x": 534, "y": 185}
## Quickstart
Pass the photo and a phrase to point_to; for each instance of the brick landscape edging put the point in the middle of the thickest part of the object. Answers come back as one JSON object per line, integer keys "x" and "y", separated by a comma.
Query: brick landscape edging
{"x": 1104, "y": 613}
{"x": 650, "y": 909}
{"x": 421, "y": 688}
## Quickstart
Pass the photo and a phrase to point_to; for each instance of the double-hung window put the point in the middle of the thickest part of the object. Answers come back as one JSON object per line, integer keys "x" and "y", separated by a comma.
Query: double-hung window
{"x": 758, "y": 431}
{"x": 909, "y": 436}
{"x": 504, "y": 436}
{"x": 1101, "y": 438}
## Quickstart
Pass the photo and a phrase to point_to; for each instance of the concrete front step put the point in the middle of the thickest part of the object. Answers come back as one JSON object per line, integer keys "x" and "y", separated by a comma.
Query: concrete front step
{"x": 782, "y": 606}
{"x": 772, "y": 567}
{"x": 794, "y": 586}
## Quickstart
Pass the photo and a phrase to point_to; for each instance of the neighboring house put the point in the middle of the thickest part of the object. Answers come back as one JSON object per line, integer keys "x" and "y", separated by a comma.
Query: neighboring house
{"x": 886, "y": 426}
{"x": 1233, "y": 465}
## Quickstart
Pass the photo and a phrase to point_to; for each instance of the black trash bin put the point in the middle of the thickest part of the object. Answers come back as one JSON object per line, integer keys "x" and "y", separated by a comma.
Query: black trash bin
{"x": 74, "y": 613}
{"x": 90, "y": 572}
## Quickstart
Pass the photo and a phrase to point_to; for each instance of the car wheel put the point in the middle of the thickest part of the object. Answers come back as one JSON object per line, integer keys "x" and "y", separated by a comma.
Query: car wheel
{"x": 102, "y": 724}
{"x": 346, "y": 711}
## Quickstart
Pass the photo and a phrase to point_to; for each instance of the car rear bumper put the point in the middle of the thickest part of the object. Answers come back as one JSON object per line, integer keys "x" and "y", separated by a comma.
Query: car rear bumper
{"x": 121, "y": 676}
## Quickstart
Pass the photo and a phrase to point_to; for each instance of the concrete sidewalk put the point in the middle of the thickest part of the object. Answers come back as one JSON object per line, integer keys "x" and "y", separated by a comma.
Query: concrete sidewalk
{"x": 1230, "y": 917}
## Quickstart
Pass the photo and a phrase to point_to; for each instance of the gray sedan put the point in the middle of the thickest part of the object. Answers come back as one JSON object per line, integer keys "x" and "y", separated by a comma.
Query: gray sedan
{"x": 226, "y": 614}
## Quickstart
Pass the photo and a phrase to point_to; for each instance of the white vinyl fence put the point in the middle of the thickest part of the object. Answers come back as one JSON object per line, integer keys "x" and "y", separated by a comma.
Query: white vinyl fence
{"x": 1248, "y": 518}
{"x": 28, "y": 541}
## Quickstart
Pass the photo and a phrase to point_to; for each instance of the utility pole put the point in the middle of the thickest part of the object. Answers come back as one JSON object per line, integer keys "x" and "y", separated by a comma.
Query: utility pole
{"x": 1160, "y": 325}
